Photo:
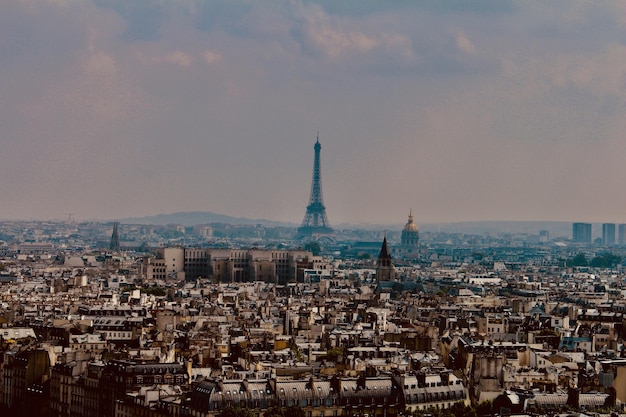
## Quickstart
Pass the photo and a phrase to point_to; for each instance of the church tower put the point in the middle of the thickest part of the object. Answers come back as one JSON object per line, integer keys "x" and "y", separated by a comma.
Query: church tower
{"x": 409, "y": 240}
{"x": 384, "y": 267}
{"x": 115, "y": 238}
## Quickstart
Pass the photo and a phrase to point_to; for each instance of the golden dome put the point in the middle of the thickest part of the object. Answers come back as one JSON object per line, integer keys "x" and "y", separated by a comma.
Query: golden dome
{"x": 410, "y": 226}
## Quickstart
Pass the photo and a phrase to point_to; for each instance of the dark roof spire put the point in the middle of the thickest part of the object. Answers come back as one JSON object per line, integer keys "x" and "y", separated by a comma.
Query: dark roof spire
{"x": 384, "y": 250}
{"x": 115, "y": 237}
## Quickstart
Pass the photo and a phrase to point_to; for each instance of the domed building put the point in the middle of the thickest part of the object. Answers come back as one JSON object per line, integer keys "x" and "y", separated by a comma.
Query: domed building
{"x": 409, "y": 240}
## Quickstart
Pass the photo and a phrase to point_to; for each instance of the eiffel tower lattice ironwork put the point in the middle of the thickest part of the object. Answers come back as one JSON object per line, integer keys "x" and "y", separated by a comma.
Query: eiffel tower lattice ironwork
{"x": 315, "y": 221}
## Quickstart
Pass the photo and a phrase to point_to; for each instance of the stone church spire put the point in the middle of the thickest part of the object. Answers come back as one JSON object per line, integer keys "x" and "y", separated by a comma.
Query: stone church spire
{"x": 384, "y": 267}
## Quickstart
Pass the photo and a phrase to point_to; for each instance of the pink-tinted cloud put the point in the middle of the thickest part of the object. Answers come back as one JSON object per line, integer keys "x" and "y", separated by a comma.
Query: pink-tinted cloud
{"x": 115, "y": 108}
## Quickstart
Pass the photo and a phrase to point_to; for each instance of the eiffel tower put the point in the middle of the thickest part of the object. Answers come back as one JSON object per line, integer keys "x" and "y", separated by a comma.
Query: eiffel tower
{"x": 315, "y": 222}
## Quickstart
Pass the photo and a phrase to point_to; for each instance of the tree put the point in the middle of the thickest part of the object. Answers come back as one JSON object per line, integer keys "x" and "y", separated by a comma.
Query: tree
{"x": 273, "y": 412}
{"x": 459, "y": 409}
{"x": 294, "y": 411}
{"x": 291, "y": 411}
{"x": 236, "y": 412}
{"x": 333, "y": 353}
{"x": 579, "y": 260}
{"x": 157, "y": 291}
{"x": 313, "y": 247}
{"x": 484, "y": 408}
{"x": 605, "y": 260}
{"x": 228, "y": 412}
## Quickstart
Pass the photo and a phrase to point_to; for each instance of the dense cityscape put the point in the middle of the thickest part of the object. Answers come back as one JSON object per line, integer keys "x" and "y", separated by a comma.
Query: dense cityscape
{"x": 111, "y": 319}
{"x": 165, "y": 250}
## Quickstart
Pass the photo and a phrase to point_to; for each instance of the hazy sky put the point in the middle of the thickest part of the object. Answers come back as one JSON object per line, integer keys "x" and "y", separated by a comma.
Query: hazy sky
{"x": 460, "y": 110}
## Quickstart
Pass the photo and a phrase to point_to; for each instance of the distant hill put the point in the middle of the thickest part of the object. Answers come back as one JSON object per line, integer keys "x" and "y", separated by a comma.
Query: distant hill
{"x": 470, "y": 227}
{"x": 193, "y": 218}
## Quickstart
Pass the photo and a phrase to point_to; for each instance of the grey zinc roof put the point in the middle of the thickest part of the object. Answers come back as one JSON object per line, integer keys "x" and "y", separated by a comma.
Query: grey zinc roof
{"x": 592, "y": 399}
{"x": 374, "y": 387}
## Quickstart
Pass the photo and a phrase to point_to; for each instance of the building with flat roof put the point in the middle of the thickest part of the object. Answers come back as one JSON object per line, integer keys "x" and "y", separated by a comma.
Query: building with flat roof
{"x": 608, "y": 234}
{"x": 621, "y": 234}
{"x": 581, "y": 232}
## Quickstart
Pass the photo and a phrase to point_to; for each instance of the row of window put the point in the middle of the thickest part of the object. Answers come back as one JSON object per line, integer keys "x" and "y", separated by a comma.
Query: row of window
{"x": 118, "y": 335}
{"x": 431, "y": 384}
{"x": 437, "y": 396}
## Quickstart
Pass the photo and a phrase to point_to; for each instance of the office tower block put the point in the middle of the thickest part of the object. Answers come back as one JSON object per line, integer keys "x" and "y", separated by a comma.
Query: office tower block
{"x": 608, "y": 234}
{"x": 621, "y": 234}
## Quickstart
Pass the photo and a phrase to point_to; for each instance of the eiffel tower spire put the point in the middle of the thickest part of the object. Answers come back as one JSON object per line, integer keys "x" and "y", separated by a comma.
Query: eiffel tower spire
{"x": 315, "y": 221}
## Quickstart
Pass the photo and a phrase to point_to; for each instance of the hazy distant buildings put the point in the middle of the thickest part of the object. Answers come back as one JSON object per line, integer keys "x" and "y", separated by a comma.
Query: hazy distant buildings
{"x": 621, "y": 234}
{"x": 608, "y": 234}
{"x": 581, "y": 232}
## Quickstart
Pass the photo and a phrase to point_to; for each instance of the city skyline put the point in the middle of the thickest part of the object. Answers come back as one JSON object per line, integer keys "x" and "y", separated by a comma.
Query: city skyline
{"x": 457, "y": 111}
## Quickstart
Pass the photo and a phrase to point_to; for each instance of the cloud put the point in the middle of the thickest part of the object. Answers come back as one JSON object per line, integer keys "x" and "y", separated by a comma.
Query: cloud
{"x": 601, "y": 73}
{"x": 100, "y": 63}
{"x": 144, "y": 20}
{"x": 459, "y": 110}
{"x": 343, "y": 42}
{"x": 179, "y": 58}
{"x": 211, "y": 57}
{"x": 464, "y": 44}
{"x": 324, "y": 35}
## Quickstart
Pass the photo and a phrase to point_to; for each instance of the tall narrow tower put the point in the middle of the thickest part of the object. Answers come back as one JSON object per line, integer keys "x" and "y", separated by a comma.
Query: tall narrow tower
{"x": 115, "y": 238}
{"x": 384, "y": 268}
{"x": 315, "y": 222}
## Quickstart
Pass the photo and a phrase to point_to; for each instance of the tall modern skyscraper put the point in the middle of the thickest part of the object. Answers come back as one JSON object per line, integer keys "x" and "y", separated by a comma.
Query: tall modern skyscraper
{"x": 315, "y": 222}
{"x": 621, "y": 234}
{"x": 608, "y": 234}
{"x": 581, "y": 232}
